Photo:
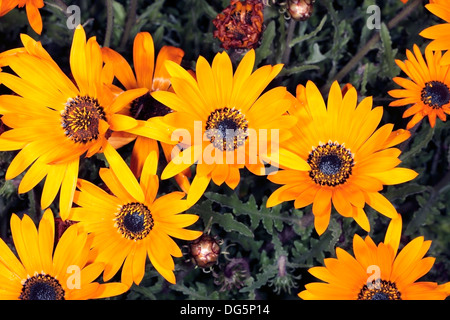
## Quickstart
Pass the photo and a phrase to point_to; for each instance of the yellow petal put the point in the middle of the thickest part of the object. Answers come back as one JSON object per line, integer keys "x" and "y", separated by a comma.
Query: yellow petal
{"x": 123, "y": 173}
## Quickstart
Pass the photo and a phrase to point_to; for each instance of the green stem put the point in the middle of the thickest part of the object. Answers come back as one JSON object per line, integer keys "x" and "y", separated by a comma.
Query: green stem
{"x": 131, "y": 20}
{"x": 109, "y": 22}
{"x": 374, "y": 40}
{"x": 58, "y": 4}
{"x": 289, "y": 36}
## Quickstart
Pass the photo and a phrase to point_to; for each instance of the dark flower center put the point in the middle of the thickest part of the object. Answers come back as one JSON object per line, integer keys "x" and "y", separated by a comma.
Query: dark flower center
{"x": 134, "y": 221}
{"x": 146, "y": 107}
{"x": 383, "y": 290}
{"x": 80, "y": 119}
{"x": 331, "y": 164}
{"x": 226, "y": 128}
{"x": 42, "y": 287}
{"x": 435, "y": 94}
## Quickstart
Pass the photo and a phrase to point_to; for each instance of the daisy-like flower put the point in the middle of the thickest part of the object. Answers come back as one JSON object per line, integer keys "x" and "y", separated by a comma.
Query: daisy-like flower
{"x": 439, "y": 33}
{"x": 350, "y": 158}
{"x": 47, "y": 273}
{"x": 32, "y": 7}
{"x": 377, "y": 272}
{"x": 127, "y": 229}
{"x": 145, "y": 109}
{"x": 427, "y": 89}
{"x": 55, "y": 121}
{"x": 223, "y": 122}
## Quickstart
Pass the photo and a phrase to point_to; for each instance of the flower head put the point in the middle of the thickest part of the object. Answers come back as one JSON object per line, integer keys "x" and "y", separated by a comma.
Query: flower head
{"x": 127, "y": 229}
{"x": 221, "y": 119}
{"x": 56, "y": 121}
{"x": 377, "y": 272}
{"x": 43, "y": 274}
{"x": 427, "y": 90}
{"x": 145, "y": 109}
{"x": 350, "y": 159}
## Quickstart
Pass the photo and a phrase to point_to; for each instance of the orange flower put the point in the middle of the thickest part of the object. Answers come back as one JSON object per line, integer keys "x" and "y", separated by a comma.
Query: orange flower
{"x": 127, "y": 230}
{"x": 377, "y": 272}
{"x": 32, "y": 8}
{"x": 49, "y": 272}
{"x": 221, "y": 117}
{"x": 350, "y": 159}
{"x": 56, "y": 121}
{"x": 427, "y": 90}
{"x": 145, "y": 109}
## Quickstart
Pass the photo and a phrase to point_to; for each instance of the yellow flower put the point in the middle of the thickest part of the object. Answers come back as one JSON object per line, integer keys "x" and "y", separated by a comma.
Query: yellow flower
{"x": 55, "y": 121}
{"x": 428, "y": 89}
{"x": 350, "y": 158}
{"x": 128, "y": 229}
{"x": 32, "y": 8}
{"x": 439, "y": 33}
{"x": 44, "y": 274}
{"x": 145, "y": 109}
{"x": 222, "y": 119}
{"x": 377, "y": 272}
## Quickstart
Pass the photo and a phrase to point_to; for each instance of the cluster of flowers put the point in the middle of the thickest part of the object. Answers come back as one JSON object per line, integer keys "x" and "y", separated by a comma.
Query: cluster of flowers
{"x": 330, "y": 154}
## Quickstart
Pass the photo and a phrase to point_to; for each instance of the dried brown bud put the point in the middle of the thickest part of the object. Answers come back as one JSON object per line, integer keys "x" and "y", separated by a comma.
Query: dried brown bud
{"x": 205, "y": 251}
{"x": 300, "y": 10}
{"x": 240, "y": 25}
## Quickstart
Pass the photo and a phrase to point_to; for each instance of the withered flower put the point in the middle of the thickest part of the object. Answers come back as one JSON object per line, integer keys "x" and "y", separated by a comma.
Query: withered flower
{"x": 240, "y": 25}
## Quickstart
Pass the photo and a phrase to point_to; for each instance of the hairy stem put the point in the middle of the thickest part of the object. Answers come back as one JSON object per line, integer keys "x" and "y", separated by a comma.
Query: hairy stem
{"x": 131, "y": 20}
{"x": 109, "y": 22}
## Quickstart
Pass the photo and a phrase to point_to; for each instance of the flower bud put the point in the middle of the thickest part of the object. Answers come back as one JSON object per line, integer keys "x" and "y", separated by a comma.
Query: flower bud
{"x": 300, "y": 10}
{"x": 205, "y": 251}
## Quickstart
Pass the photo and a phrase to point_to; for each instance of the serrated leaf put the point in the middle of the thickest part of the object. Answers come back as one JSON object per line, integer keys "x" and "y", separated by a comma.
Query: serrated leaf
{"x": 225, "y": 220}
{"x": 270, "y": 217}
{"x": 310, "y": 35}
{"x": 298, "y": 69}
{"x": 199, "y": 293}
{"x": 421, "y": 140}
{"x": 264, "y": 49}
{"x": 403, "y": 191}
{"x": 316, "y": 56}
{"x": 387, "y": 46}
{"x": 261, "y": 279}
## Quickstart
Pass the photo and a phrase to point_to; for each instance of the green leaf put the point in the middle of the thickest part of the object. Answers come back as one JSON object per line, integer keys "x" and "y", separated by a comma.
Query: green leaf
{"x": 310, "y": 35}
{"x": 261, "y": 279}
{"x": 199, "y": 293}
{"x": 298, "y": 69}
{"x": 207, "y": 9}
{"x": 225, "y": 220}
{"x": 316, "y": 56}
{"x": 421, "y": 140}
{"x": 271, "y": 218}
{"x": 265, "y": 49}
{"x": 403, "y": 191}
{"x": 387, "y": 45}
